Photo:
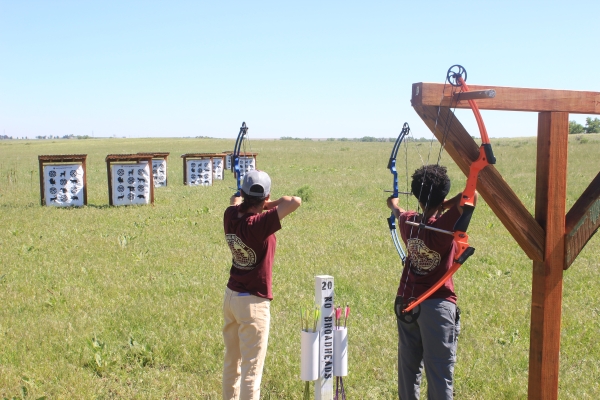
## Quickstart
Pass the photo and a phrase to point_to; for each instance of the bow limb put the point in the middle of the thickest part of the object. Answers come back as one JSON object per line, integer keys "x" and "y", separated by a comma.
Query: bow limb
{"x": 463, "y": 252}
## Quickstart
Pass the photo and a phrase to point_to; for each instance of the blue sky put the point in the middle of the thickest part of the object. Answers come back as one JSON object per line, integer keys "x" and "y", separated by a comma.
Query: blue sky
{"x": 302, "y": 69}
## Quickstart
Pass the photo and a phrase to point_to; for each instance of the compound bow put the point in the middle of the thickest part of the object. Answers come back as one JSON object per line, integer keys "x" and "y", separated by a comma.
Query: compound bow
{"x": 456, "y": 76}
{"x": 236, "y": 157}
{"x": 392, "y": 167}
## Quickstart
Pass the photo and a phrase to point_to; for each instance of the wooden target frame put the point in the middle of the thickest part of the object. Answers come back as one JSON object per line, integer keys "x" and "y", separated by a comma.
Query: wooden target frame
{"x": 190, "y": 179}
{"x": 155, "y": 157}
{"x": 222, "y": 157}
{"x": 244, "y": 155}
{"x": 551, "y": 239}
{"x": 228, "y": 159}
{"x": 133, "y": 160}
{"x": 59, "y": 161}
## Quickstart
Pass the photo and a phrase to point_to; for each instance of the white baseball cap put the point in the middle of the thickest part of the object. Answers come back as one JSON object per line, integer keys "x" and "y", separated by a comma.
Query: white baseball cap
{"x": 257, "y": 183}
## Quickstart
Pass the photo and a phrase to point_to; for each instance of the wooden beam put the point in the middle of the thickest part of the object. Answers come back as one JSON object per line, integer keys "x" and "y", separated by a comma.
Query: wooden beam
{"x": 496, "y": 192}
{"x": 511, "y": 99}
{"x": 582, "y": 221}
{"x": 550, "y": 206}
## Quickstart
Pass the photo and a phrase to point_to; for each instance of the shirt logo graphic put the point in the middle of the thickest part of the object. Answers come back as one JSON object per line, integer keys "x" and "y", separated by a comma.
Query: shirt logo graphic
{"x": 422, "y": 259}
{"x": 243, "y": 256}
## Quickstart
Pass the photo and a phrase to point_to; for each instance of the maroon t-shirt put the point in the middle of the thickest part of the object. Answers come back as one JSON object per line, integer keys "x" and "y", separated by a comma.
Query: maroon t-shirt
{"x": 251, "y": 239}
{"x": 429, "y": 255}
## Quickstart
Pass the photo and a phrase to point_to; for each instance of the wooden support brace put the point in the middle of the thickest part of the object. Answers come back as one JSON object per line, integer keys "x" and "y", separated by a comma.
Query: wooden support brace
{"x": 582, "y": 221}
{"x": 496, "y": 192}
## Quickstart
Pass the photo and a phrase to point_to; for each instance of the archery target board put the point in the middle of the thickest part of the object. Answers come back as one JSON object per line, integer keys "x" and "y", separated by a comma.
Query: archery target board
{"x": 228, "y": 161}
{"x": 63, "y": 185}
{"x": 199, "y": 172}
{"x": 246, "y": 164}
{"x": 130, "y": 183}
{"x": 159, "y": 170}
{"x": 217, "y": 165}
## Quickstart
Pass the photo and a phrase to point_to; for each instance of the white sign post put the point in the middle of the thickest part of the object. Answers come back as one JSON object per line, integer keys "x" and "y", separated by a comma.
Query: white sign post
{"x": 325, "y": 325}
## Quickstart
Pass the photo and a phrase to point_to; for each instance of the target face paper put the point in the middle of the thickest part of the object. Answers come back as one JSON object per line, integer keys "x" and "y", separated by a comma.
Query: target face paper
{"x": 63, "y": 185}
{"x": 130, "y": 183}
{"x": 217, "y": 169}
{"x": 199, "y": 172}
{"x": 246, "y": 164}
{"x": 159, "y": 170}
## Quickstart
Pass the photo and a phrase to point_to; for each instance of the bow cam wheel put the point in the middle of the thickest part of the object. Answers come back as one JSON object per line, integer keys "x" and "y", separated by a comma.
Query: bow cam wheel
{"x": 454, "y": 72}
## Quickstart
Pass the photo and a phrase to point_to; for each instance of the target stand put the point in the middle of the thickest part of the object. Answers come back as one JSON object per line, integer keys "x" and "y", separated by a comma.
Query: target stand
{"x": 159, "y": 168}
{"x": 63, "y": 180}
{"x": 201, "y": 169}
{"x": 130, "y": 179}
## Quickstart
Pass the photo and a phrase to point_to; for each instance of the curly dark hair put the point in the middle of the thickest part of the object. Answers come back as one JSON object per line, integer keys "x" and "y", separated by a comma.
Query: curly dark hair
{"x": 430, "y": 185}
{"x": 249, "y": 201}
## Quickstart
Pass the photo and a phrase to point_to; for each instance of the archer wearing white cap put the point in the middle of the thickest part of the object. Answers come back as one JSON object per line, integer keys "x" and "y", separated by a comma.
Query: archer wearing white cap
{"x": 250, "y": 224}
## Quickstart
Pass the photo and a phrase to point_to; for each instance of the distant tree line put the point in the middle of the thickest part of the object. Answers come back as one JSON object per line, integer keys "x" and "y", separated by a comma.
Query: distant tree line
{"x": 591, "y": 126}
{"x": 362, "y": 139}
{"x": 64, "y": 137}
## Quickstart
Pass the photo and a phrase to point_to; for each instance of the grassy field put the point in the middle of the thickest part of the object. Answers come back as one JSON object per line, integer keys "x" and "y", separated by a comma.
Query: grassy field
{"x": 107, "y": 302}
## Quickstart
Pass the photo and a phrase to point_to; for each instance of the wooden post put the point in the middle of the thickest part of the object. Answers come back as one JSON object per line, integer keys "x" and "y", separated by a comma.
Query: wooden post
{"x": 110, "y": 201}
{"x": 85, "y": 196}
{"x": 41, "y": 181}
{"x": 546, "y": 302}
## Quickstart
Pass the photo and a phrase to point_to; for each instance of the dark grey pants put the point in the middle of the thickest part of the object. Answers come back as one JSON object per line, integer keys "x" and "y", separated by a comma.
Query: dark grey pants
{"x": 431, "y": 342}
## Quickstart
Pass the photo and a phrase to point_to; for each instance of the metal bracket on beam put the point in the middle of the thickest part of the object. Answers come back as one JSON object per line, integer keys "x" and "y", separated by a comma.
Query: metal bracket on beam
{"x": 474, "y": 95}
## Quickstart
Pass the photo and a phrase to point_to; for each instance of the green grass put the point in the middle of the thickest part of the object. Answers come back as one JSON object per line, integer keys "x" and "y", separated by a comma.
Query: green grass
{"x": 125, "y": 302}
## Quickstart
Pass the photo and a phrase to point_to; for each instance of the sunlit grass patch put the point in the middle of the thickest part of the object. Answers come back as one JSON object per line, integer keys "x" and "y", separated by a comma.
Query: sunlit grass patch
{"x": 125, "y": 302}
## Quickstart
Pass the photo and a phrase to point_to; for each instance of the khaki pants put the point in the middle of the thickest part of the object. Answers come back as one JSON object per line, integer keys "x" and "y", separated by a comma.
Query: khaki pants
{"x": 246, "y": 333}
